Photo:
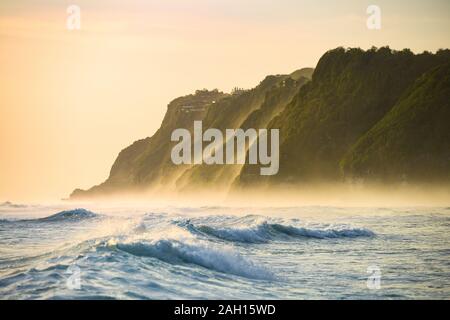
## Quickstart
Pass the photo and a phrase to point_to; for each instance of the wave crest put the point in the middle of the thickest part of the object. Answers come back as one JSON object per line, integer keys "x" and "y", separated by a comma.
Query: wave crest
{"x": 334, "y": 232}
{"x": 70, "y": 215}
{"x": 218, "y": 259}
{"x": 265, "y": 232}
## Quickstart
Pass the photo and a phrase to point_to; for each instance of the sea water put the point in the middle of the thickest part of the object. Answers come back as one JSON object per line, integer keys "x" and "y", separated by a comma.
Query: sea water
{"x": 171, "y": 252}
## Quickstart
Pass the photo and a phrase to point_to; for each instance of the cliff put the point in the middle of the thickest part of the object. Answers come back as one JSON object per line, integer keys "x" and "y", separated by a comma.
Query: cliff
{"x": 375, "y": 115}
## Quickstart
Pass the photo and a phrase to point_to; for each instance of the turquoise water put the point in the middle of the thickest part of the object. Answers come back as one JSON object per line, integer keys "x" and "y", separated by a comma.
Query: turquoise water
{"x": 126, "y": 252}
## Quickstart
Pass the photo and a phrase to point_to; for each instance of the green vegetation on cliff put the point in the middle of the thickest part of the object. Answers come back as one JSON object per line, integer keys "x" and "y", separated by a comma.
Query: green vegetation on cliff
{"x": 412, "y": 141}
{"x": 378, "y": 115}
{"x": 350, "y": 92}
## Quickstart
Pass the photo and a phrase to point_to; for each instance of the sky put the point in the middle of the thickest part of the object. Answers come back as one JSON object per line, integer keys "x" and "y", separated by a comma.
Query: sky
{"x": 70, "y": 100}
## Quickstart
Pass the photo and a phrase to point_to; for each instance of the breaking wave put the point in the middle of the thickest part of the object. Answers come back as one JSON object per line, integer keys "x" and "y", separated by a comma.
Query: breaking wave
{"x": 213, "y": 258}
{"x": 265, "y": 232}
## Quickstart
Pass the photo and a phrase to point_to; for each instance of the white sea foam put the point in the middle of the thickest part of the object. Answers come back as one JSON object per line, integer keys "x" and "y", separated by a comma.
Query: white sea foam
{"x": 219, "y": 259}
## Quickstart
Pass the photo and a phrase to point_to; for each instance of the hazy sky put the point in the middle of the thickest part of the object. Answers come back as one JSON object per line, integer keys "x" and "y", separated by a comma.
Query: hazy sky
{"x": 71, "y": 100}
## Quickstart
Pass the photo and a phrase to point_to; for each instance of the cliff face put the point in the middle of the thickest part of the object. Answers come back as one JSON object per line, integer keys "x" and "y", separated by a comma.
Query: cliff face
{"x": 350, "y": 93}
{"x": 146, "y": 164}
{"x": 412, "y": 141}
{"x": 374, "y": 115}
{"x": 252, "y": 109}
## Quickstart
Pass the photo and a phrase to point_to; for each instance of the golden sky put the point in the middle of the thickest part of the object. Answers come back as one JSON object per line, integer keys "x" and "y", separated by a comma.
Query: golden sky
{"x": 71, "y": 100}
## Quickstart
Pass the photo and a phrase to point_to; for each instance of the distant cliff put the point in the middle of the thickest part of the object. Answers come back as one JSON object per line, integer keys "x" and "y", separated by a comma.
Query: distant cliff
{"x": 327, "y": 132}
{"x": 376, "y": 115}
{"x": 412, "y": 141}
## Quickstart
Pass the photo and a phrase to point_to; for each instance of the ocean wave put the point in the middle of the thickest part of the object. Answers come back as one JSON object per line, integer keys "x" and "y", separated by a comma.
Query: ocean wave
{"x": 70, "y": 215}
{"x": 213, "y": 258}
{"x": 334, "y": 232}
{"x": 255, "y": 234}
{"x": 265, "y": 232}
